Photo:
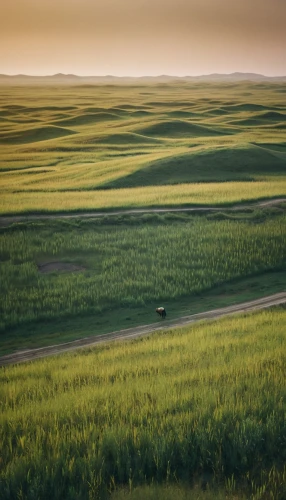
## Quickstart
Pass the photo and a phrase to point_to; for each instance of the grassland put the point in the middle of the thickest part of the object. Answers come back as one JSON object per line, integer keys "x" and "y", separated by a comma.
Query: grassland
{"x": 126, "y": 266}
{"x": 167, "y": 416}
{"x": 73, "y": 148}
{"x": 78, "y": 148}
{"x": 199, "y": 407}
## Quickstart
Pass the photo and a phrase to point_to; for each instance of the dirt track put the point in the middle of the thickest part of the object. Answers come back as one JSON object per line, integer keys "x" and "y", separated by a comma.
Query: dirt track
{"x": 132, "y": 333}
{"x": 6, "y": 220}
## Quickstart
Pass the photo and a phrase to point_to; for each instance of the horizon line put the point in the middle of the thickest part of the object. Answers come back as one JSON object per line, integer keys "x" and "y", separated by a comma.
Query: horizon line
{"x": 140, "y": 76}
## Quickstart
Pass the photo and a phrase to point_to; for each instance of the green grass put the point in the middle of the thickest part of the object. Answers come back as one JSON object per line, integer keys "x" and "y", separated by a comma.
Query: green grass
{"x": 202, "y": 406}
{"x": 129, "y": 265}
{"x": 72, "y": 199}
{"x": 179, "y": 128}
{"x": 42, "y": 333}
{"x": 86, "y": 119}
{"x": 136, "y": 137}
{"x": 33, "y": 135}
{"x": 173, "y": 491}
{"x": 195, "y": 413}
{"x": 218, "y": 165}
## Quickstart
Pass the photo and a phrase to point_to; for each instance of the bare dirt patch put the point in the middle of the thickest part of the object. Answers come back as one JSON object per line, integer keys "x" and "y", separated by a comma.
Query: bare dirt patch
{"x": 63, "y": 267}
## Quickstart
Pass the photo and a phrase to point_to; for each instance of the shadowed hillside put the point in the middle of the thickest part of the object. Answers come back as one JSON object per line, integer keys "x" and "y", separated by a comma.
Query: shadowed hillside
{"x": 34, "y": 135}
{"x": 130, "y": 136}
{"x": 179, "y": 128}
{"x": 206, "y": 166}
{"x": 88, "y": 118}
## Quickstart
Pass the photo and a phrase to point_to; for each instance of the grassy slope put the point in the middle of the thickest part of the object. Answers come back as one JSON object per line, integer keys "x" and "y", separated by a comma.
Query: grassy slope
{"x": 190, "y": 263}
{"x": 186, "y": 195}
{"x": 65, "y": 329}
{"x": 135, "y": 138}
{"x": 213, "y": 398}
{"x": 210, "y": 165}
{"x": 139, "y": 136}
{"x": 193, "y": 404}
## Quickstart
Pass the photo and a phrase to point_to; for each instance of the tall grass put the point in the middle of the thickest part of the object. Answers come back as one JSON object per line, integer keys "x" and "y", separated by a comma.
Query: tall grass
{"x": 129, "y": 265}
{"x": 204, "y": 404}
{"x": 219, "y": 194}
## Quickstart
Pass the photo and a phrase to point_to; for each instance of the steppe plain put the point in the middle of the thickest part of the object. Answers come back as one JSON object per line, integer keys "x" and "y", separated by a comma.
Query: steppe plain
{"x": 91, "y": 147}
{"x": 191, "y": 413}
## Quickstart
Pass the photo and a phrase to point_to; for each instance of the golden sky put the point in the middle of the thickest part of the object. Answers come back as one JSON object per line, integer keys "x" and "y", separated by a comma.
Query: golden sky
{"x": 142, "y": 37}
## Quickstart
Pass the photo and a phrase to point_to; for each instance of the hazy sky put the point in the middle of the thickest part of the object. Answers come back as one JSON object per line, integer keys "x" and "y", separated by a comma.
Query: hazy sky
{"x": 142, "y": 37}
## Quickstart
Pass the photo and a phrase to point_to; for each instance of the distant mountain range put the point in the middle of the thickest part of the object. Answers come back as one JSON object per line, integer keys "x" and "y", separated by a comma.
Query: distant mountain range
{"x": 109, "y": 79}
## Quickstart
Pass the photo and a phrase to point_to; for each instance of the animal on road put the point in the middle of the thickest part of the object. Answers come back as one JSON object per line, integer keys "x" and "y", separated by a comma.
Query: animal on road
{"x": 161, "y": 311}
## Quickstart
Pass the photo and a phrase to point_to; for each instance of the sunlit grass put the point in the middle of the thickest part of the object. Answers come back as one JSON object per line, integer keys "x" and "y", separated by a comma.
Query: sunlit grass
{"x": 183, "y": 194}
{"x": 202, "y": 404}
{"x": 164, "y": 417}
{"x": 58, "y": 139}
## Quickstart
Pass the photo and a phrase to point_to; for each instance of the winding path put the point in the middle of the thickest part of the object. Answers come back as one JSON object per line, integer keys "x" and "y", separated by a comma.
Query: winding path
{"x": 6, "y": 220}
{"x": 133, "y": 333}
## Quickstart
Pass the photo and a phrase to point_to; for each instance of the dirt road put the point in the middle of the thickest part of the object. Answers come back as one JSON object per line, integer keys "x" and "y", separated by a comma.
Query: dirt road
{"x": 132, "y": 333}
{"x": 6, "y": 220}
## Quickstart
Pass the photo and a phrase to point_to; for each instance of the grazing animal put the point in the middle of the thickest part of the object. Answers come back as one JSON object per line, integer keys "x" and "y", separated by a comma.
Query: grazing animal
{"x": 161, "y": 311}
